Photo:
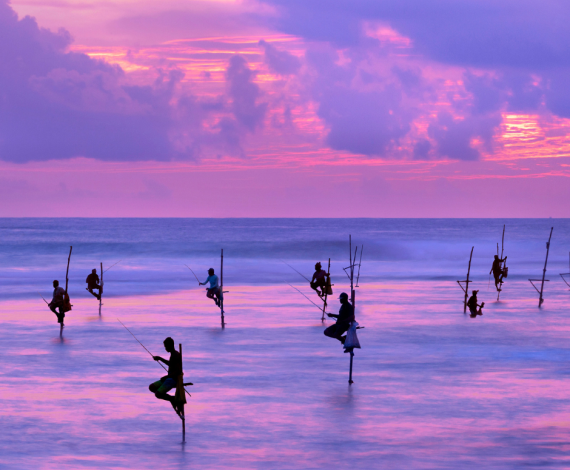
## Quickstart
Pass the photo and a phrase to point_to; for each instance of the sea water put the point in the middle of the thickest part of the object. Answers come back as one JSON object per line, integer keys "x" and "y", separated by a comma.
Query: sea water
{"x": 433, "y": 388}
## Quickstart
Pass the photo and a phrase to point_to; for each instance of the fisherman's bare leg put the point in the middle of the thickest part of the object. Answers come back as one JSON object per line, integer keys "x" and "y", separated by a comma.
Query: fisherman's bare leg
{"x": 97, "y": 296}
{"x": 315, "y": 286}
{"x": 160, "y": 387}
{"x": 498, "y": 282}
{"x": 214, "y": 294}
{"x": 60, "y": 315}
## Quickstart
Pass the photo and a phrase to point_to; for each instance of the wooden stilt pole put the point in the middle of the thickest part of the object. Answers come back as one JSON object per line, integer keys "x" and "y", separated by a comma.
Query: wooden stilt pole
{"x": 222, "y": 288}
{"x": 183, "y": 413}
{"x": 566, "y": 274}
{"x": 67, "y": 272}
{"x": 353, "y": 301}
{"x": 326, "y": 291}
{"x": 543, "y": 280}
{"x": 101, "y": 291}
{"x": 66, "y": 301}
{"x": 466, "y": 289}
{"x": 501, "y": 257}
{"x": 544, "y": 270}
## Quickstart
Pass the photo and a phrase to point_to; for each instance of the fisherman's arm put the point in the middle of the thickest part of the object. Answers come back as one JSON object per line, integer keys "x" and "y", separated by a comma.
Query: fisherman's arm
{"x": 158, "y": 358}
{"x": 205, "y": 282}
{"x": 332, "y": 315}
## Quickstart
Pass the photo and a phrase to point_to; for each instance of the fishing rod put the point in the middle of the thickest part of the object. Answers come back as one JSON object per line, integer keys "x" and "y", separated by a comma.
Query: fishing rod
{"x": 43, "y": 298}
{"x": 320, "y": 308}
{"x": 193, "y": 273}
{"x": 112, "y": 265}
{"x": 151, "y": 355}
{"x": 302, "y": 275}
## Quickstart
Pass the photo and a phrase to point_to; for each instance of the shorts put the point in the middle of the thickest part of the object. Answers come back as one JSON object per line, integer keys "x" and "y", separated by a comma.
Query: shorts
{"x": 165, "y": 385}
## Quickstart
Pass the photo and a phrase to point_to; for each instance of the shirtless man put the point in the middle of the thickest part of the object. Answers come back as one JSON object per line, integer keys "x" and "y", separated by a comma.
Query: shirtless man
{"x": 93, "y": 283}
{"x": 472, "y": 305}
{"x": 168, "y": 382}
{"x": 497, "y": 270}
{"x": 319, "y": 280}
{"x": 58, "y": 302}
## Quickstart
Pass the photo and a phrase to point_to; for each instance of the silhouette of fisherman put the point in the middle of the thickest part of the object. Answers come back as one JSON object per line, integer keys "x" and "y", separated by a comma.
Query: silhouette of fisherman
{"x": 170, "y": 381}
{"x": 58, "y": 301}
{"x": 497, "y": 270}
{"x": 93, "y": 283}
{"x": 343, "y": 320}
{"x": 472, "y": 304}
{"x": 319, "y": 280}
{"x": 213, "y": 292}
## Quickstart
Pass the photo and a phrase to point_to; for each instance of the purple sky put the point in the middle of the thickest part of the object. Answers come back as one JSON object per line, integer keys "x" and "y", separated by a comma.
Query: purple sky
{"x": 398, "y": 108}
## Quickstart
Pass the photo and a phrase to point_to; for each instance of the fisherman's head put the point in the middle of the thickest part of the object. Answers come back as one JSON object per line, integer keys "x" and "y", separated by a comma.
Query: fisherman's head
{"x": 343, "y": 298}
{"x": 496, "y": 256}
{"x": 55, "y": 283}
{"x": 94, "y": 271}
{"x": 169, "y": 344}
{"x": 211, "y": 271}
{"x": 475, "y": 292}
{"x": 318, "y": 266}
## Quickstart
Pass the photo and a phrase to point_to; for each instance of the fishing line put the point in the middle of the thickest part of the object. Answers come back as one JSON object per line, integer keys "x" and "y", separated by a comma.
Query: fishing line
{"x": 193, "y": 273}
{"x": 320, "y": 308}
{"x": 112, "y": 265}
{"x": 302, "y": 275}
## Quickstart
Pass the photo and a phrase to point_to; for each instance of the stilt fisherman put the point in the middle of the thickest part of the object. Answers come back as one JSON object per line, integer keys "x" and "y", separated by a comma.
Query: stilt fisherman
{"x": 93, "y": 283}
{"x": 320, "y": 279}
{"x": 474, "y": 308}
{"x": 213, "y": 292}
{"x": 498, "y": 272}
{"x": 172, "y": 380}
{"x": 58, "y": 302}
{"x": 344, "y": 318}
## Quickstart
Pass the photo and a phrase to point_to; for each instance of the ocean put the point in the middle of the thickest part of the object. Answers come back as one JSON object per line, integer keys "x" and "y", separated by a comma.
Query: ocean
{"x": 433, "y": 388}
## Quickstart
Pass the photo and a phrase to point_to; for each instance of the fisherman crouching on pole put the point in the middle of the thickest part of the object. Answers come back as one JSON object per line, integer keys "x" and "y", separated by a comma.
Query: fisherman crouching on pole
{"x": 344, "y": 318}
{"x": 319, "y": 280}
{"x": 168, "y": 382}
{"x": 93, "y": 283}
{"x": 497, "y": 270}
{"x": 58, "y": 301}
{"x": 213, "y": 292}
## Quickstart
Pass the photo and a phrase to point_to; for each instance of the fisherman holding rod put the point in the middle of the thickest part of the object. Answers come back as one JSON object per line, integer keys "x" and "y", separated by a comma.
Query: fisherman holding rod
{"x": 168, "y": 382}
{"x": 213, "y": 292}
{"x": 160, "y": 387}
{"x": 58, "y": 302}
{"x": 344, "y": 319}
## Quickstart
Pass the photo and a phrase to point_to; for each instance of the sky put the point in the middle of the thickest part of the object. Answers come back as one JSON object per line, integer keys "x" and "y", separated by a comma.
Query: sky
{"x": 284, "y": 108}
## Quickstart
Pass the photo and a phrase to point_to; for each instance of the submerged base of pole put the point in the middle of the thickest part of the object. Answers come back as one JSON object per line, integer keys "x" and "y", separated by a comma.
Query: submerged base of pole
{"x": 350, "y": 374}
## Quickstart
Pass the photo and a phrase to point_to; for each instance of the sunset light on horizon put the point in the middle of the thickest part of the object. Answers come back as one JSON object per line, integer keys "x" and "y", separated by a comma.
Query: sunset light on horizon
{"x": 236, "y": 102}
